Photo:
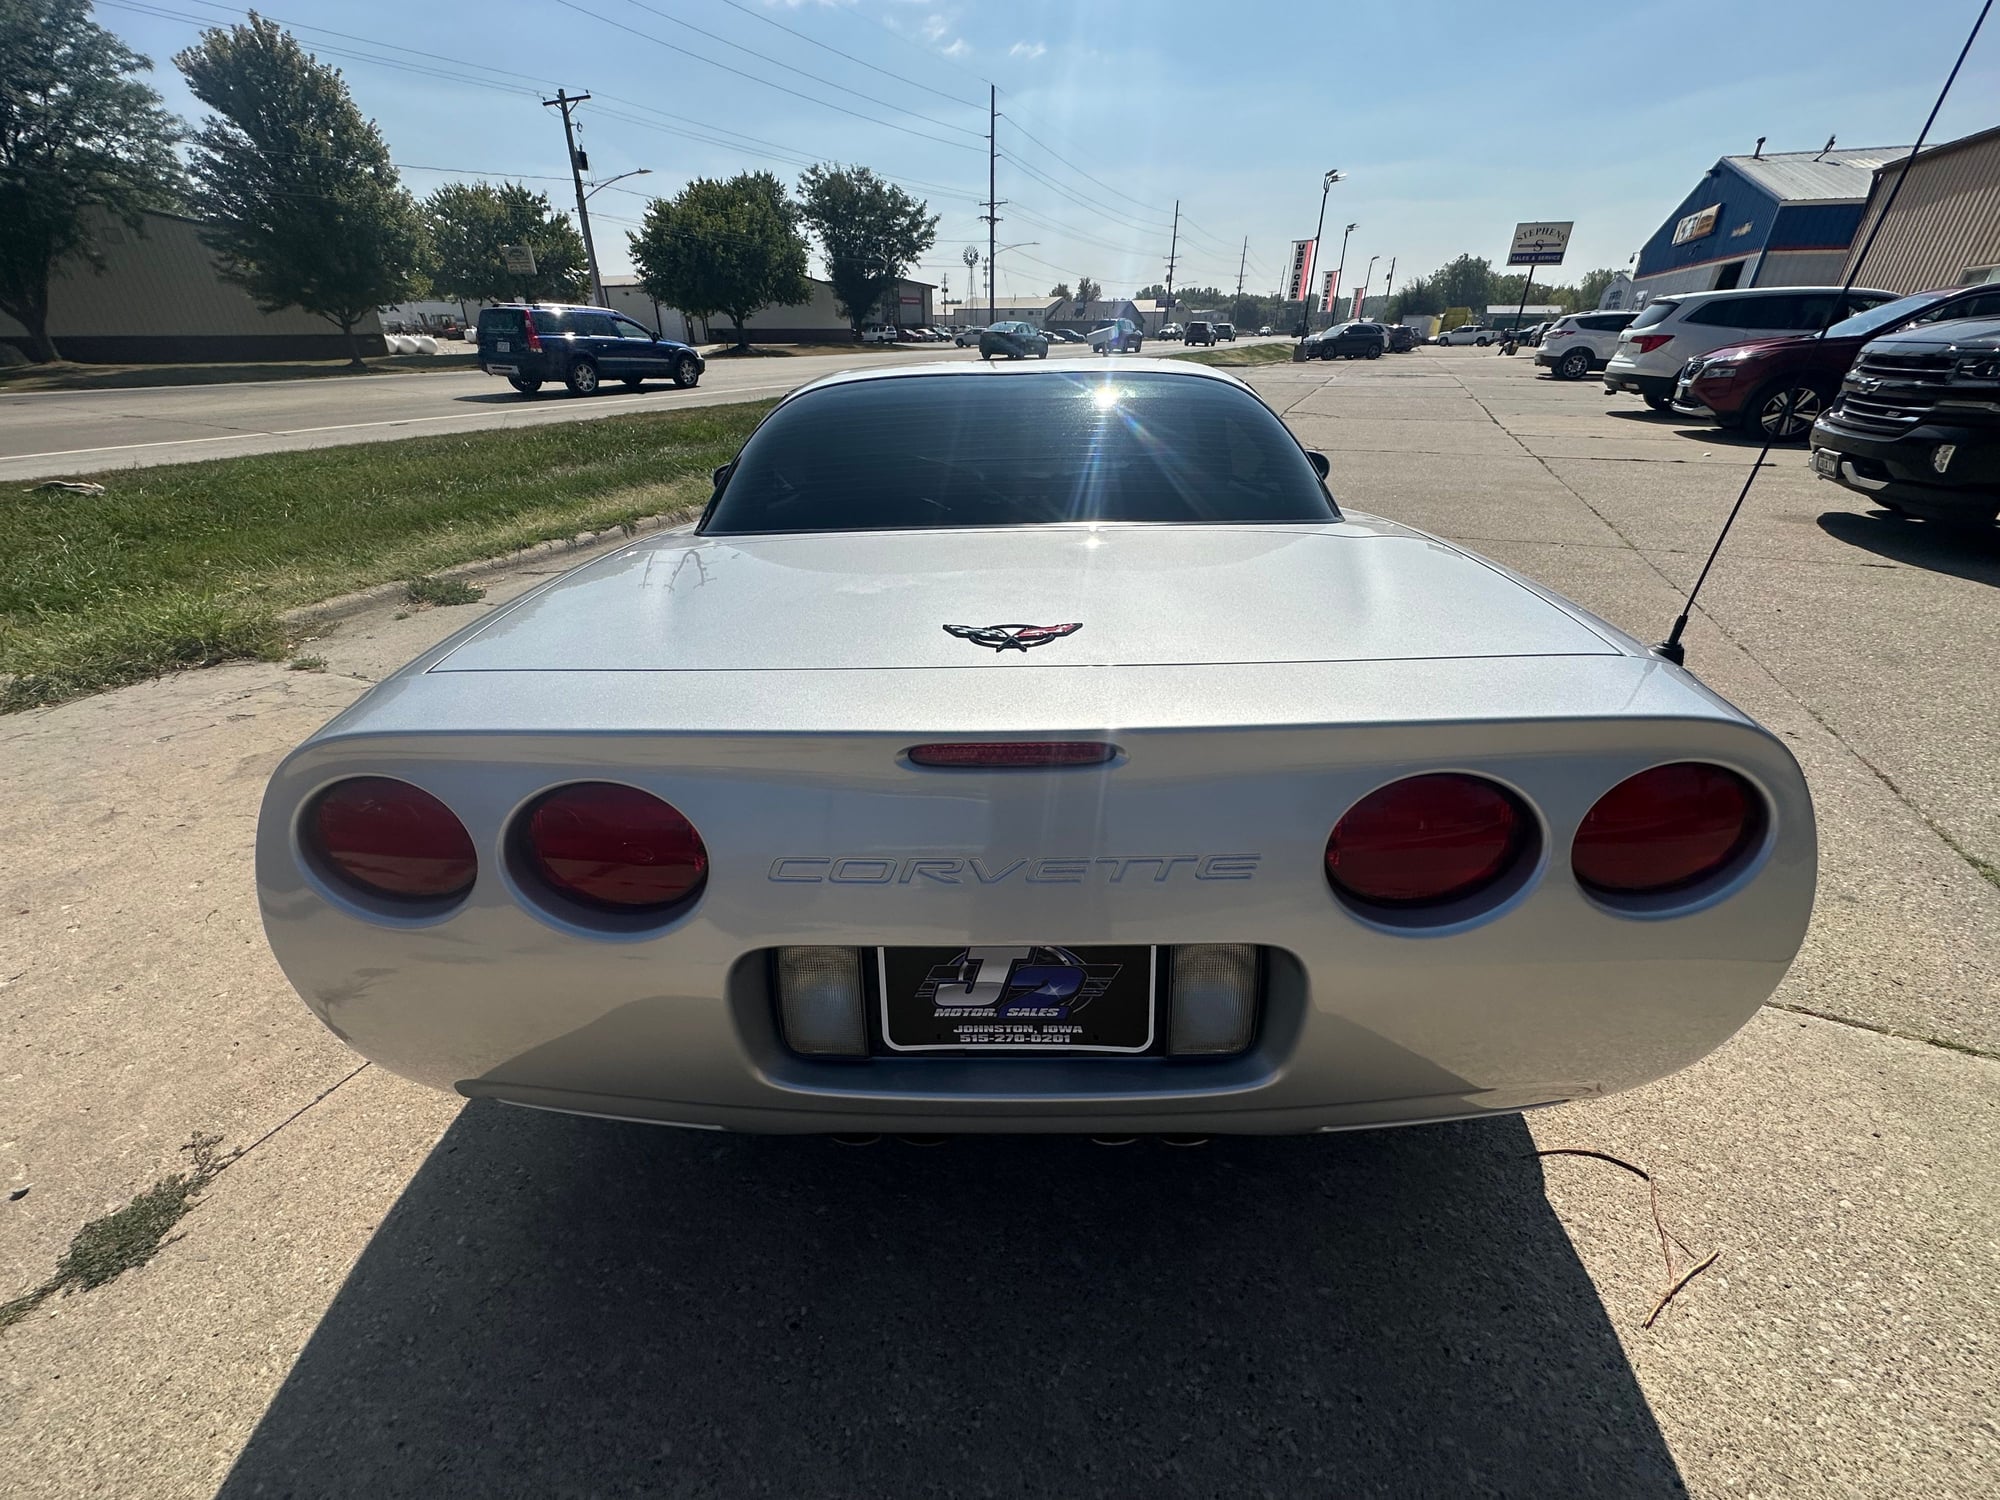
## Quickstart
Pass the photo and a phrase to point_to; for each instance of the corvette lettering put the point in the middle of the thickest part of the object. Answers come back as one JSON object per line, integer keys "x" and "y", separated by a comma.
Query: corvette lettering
{"x": 1123, "y": 869}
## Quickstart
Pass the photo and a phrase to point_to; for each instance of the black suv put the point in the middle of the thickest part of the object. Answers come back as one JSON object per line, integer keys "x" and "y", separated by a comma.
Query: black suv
{"x": 1198, "y": 333}
{"x": 580, "y": 346}
{"x": 1916, "y": 427}
{"x": 1356, "y": 340}
{"x": 1402, "y": 338}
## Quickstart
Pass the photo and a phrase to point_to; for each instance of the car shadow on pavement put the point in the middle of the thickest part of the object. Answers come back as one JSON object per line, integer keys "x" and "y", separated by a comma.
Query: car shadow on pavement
{"x": 566, "y": 1307}
{"x": 1966, "y": 551}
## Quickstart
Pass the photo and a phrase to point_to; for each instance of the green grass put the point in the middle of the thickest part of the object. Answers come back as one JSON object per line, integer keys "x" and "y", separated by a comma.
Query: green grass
{"x": 106, "y": 1248}
{"x": 1249, "y": 354}
{"x": 192, "y": 564}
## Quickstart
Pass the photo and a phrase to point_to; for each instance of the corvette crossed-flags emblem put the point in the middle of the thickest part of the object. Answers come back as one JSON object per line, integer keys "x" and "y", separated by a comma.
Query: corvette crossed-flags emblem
{"x": 1013, "y": 637}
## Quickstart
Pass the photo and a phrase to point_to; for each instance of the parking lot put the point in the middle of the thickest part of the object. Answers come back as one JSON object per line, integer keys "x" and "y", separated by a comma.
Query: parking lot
{"x": 395, "y": 1292}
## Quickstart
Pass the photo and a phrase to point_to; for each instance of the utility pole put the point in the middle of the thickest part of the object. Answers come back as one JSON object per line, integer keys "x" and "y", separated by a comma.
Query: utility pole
{"x": 1389, "y": 286}
{"x": 1173, "y": 254}
{"x": 1340, "y": 271}
{"x": 1242, "y": 261}
{"x": 577, "y": 162}
{"x": 992, "y": 214}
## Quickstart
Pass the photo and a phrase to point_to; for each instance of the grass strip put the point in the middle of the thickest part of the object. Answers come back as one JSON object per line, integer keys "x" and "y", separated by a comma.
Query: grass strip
{"x": 1249, "y": 354}
{"x": 192, "y": 564}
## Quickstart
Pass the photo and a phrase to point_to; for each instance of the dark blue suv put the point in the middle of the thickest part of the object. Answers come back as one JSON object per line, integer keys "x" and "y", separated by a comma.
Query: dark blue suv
{"x": 581, "y": 346}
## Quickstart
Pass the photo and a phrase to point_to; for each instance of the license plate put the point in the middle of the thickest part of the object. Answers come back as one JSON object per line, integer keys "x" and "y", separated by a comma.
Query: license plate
{"x": 1826, "y": 463}
{"x": 503, "y": 346}
{"x": 1035, "y": 997}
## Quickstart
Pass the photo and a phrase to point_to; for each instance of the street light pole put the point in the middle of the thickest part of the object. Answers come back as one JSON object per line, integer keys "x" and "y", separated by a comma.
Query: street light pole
{"x": 598, "y": 187}
{"x": 1340, "y": 271}
{"x": 1361, "y": 310}
{"x": 1305, "y": 287}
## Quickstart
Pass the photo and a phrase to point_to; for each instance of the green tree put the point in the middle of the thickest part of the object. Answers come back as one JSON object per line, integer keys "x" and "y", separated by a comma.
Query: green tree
{"x": 1088, "y": 290}
{"x": 870, "y": 231}
{"x": 80, "y": 140}
{"x": 1466, "y": 282}
{"x": 1592, "y": 286}
{"x": 306, "y": 209}
{"x": 1060, "y": 289}
{"x": 723, "y": 247}
{"x": 1247, "y": 312}
{"x": 468, "y": 224}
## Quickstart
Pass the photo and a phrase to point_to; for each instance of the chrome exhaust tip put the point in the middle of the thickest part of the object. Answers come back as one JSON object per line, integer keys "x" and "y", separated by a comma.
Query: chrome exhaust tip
{"x": 855, "y": 1140}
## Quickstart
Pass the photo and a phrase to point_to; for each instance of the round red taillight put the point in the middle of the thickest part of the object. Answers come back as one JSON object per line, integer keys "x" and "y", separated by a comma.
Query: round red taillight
{"x": 389, "y": 838}
{"x": 1427, "y": 840}
{"x": 1666, "y": 829}
{"x": 614, "y": 847}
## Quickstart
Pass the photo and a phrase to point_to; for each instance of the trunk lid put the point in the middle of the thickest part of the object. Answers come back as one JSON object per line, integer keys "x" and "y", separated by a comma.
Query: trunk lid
{"x": 1358, "y": 590}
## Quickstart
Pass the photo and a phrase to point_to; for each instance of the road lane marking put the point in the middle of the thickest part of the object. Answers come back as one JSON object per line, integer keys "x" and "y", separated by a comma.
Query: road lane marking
{"x": 252, "y": 433}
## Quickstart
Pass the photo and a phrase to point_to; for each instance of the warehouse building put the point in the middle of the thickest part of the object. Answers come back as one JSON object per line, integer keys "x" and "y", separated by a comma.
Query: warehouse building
{"x": 162, "y": 299}
{"x": 1945, "y": 227}
{"x": 1782, "y": 218}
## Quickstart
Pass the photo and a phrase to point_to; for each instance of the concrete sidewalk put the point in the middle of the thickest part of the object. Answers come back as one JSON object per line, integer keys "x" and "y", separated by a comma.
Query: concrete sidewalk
{"x": 394, "y": 1293}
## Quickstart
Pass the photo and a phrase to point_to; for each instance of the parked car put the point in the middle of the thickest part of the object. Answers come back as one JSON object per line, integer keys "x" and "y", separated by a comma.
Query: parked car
{"x": 1013, "y": 341}
{"x": 1225, "y": 333}
{"x": 967, "y": 338}
{"x": 1776, "y": 388}
{"x": 878, "y": 333}
{"x": 1671, "y": 330}
{"x": 1117, "y": 336}
{"x": 1470, "y": 333}
{"x": 1581, "y": 342}
{"x": 1199, "y": 333}
{"x": 1066, "y": 335}
{"x": 1171, "y": 331}
{"x": 1264, "y": 331}
{"x": 1359, "y": 339}
{"x": 1916, "y": 427}
{"x": 1403, "y": 338}
{"x": 1278, "y": 821}
{"x": 533, "y": 343}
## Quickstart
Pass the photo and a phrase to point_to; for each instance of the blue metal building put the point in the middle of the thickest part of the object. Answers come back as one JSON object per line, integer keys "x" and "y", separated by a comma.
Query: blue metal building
{"x": 1769, "y": 219}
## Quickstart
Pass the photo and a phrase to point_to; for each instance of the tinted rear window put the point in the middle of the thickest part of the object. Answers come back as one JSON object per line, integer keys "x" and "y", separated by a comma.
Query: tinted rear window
{"x": 1655, "y": 313}
{"x": 921, "y": 452}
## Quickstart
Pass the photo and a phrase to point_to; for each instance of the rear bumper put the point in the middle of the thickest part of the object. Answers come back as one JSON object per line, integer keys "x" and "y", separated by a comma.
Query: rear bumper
{"x": 1637, "y": 383}
{"x": 1545, "y": 995}
{"x": 1900, "y": 468}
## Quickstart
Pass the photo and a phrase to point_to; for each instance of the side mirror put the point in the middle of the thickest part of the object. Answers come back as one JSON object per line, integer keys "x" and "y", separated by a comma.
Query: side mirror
{"x": 721, "y": 475}
{"x": 1318, "y": 460}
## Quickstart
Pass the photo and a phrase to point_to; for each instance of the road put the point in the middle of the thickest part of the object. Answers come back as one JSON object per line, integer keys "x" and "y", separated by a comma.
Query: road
{"x": 76, "y": 432}
{"x": 396, "y": 1293}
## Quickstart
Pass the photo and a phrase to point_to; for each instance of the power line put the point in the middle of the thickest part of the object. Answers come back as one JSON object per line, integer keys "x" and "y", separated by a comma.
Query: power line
{"x": 1149, "y": 207}
{"x": 862, "y": 61}
{"x": 774, "y": 62}
{"x": 765, "y": 82}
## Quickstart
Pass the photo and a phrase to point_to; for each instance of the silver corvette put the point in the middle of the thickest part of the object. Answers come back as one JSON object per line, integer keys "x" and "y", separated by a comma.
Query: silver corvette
{"x": 1036, "y": 750}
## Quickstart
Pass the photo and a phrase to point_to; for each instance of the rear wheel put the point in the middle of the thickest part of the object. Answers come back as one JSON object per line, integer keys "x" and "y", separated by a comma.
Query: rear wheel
{"x": 1574, "y": 365}
{"x": 1045, "y": 352}
{"x": 527, "y": 385}
{"x": 686, "y": 372}
{"x": 1374, "y": 351}
{"x": 582, "y": 378}
{"x": 1658, "y": 402}
{"x": 1783, "y": 411}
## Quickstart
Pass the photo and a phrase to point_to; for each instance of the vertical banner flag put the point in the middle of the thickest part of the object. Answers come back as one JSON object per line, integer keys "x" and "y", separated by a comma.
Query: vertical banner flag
{"x": 1360, "y": 296}
{"x": 1302, "y": 270}
{"x": 1330, "y": 290}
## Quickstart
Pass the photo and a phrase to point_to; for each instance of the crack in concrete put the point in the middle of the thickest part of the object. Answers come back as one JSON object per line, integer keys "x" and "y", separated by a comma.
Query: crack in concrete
{"x": 1943, "y": 1044}
{"x": 1979, "y": 867}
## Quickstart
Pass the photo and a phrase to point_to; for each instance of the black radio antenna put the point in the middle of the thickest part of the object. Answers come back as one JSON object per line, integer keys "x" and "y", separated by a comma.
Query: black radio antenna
{"x": 1671, "y": 648}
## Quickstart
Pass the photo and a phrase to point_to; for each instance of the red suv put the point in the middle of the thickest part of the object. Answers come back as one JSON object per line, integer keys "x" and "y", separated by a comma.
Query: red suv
{"x": 1776, "y": 388}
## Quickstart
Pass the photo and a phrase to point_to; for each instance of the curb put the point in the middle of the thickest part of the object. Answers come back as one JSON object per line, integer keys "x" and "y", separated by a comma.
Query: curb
{"x": 584, "y": 543}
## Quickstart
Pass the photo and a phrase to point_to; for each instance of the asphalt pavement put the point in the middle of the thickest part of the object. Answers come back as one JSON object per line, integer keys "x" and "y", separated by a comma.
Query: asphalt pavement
{"x": 394, "y": 1292}
{"x": 44, "y": 433}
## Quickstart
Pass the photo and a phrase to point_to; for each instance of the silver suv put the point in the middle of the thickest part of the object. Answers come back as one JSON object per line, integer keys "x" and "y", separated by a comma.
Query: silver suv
{"x": 1672, "y": 330}
{"x": 1581, "y": 342}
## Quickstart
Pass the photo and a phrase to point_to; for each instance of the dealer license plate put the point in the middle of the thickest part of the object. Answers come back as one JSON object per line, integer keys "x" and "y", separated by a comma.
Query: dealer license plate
{"x": 1022, "y": 997}
{"x": 1826, "y": 463}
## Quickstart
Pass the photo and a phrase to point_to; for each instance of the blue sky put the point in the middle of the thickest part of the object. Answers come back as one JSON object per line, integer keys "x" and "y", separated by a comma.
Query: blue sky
{"x": 1452, "y": 118}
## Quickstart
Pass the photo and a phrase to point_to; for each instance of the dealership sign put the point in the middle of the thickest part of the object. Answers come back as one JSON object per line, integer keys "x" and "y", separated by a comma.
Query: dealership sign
{"x": 1697, "y": 225}
{"x": 1327, "y": 292}
{"x": 1302, "y": 270}
{"x": 1540, "y": 244}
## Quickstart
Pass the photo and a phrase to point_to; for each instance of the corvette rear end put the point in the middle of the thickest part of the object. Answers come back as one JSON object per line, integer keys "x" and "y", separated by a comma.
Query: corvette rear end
{"x": 1289, "y": 825}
